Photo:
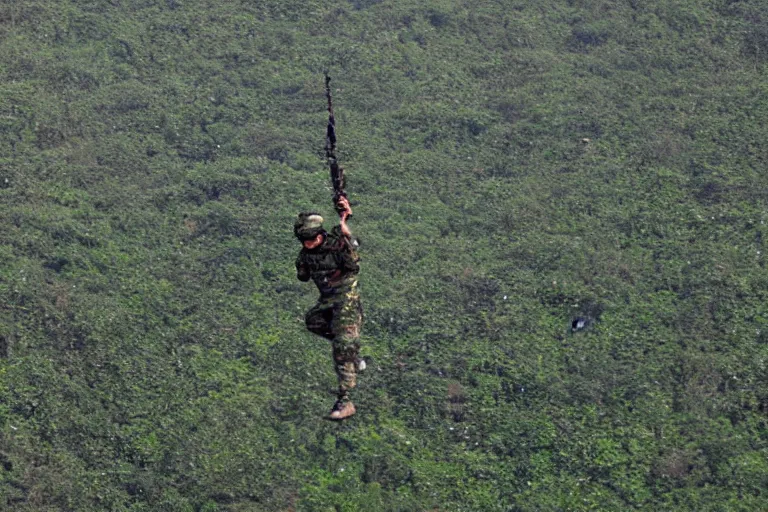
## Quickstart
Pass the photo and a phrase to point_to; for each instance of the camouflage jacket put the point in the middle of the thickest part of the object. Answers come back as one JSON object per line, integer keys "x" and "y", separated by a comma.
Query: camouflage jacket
{"x": 333, "y": 265}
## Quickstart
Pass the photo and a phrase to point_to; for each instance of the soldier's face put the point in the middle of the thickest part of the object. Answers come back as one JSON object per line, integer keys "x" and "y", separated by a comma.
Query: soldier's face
{"x": 311, "y": 244}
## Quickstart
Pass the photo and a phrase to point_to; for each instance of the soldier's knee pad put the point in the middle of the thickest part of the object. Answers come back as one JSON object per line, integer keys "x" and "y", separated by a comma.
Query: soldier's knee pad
{"x": 320, "y": 328}
{"x": 344, "y": 352}
{"x": 312, "y": 324}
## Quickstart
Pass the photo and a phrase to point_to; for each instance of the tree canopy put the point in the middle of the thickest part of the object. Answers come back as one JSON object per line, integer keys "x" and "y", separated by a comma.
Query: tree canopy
{"x": 517, "y": 165}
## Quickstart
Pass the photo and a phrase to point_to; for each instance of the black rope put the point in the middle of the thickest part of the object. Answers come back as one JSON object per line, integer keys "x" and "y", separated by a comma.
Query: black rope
{"x": 337, "y": 172}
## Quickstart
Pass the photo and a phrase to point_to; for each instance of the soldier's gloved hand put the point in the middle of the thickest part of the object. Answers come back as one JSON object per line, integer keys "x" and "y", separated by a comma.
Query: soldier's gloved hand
{"x": 342, "y": 204}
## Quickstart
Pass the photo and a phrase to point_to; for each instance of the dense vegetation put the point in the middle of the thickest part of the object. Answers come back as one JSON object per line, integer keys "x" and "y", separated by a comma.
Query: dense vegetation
{"x": 516, "y": 164}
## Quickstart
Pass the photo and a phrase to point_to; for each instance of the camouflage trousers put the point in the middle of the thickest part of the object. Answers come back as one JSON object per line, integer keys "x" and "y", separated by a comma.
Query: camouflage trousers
{"x": 339, "y": 318}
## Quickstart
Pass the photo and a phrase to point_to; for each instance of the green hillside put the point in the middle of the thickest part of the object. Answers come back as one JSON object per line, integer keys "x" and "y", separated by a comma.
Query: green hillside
{"x": 513, "y": 165}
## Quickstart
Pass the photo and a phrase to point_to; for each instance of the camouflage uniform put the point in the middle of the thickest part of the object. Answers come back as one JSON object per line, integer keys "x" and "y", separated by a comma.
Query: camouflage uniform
{"x": 338, "y": 314}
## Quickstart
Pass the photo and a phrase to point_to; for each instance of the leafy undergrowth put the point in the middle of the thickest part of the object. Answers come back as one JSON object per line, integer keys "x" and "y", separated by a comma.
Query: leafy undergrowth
{"x": 513, "y": 166}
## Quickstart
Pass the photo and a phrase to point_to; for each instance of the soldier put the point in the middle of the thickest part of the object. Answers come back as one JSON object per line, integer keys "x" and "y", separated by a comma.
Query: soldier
{"x": 330, "y": 260}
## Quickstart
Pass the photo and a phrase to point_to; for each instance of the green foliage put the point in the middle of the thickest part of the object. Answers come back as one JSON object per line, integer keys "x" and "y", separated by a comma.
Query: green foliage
{"x": 515, "y": 165}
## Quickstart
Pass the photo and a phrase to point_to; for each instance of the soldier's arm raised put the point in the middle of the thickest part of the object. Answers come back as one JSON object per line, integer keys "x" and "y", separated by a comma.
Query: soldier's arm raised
{"x": 346, "y": 211}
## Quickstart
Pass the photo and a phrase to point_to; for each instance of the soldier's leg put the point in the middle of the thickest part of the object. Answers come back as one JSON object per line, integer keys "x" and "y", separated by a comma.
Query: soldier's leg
{"x": 346, "y": 342}
{"x": 319, "y": 319}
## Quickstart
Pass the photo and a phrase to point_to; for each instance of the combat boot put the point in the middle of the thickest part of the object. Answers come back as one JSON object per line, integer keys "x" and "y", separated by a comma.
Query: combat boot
{"x": 342, "y": 410}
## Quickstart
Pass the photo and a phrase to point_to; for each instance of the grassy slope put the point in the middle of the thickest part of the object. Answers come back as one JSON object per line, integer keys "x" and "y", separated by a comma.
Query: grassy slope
{"x": 153, "y": 155}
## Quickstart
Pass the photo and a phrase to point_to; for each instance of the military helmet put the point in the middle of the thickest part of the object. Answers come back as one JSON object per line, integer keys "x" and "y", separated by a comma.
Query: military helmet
{"x": 308, "y": 225}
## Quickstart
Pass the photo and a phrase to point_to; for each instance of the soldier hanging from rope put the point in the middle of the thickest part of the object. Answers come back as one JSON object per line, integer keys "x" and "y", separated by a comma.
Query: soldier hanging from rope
{"x": 331, "y": 261}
